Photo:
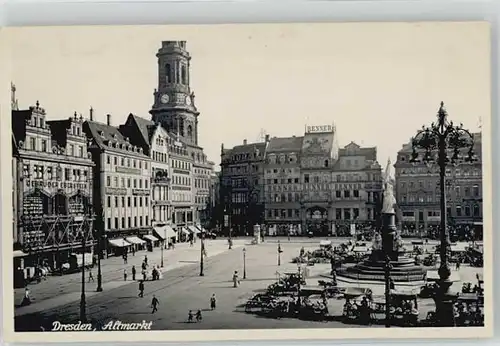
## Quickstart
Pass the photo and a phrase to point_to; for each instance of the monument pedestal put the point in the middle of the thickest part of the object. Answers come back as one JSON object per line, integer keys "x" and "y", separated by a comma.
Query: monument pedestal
{"x": 402, "y": 269}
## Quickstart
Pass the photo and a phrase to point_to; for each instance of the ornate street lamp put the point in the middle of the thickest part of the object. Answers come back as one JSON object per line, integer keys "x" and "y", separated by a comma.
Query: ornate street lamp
{"x": 443, "y": 137}
{"x": 244, "y": 263}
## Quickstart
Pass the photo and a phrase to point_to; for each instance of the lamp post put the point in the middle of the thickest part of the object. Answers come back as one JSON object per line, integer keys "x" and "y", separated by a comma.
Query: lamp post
{"x": 99, "y": 253}
{"x": 244, "y": 263}
{"x": 443, "y": 136}
{"x": 202, "y": 251}
{"x": 387, "y": 274}
{"x": 279, "y": 253}
{"x": 161, "y": 250}
{"x": 83, "y": 314}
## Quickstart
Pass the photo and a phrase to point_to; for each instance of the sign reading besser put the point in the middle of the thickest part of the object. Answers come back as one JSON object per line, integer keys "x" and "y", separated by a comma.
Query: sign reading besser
{"x": 322, "y": 128}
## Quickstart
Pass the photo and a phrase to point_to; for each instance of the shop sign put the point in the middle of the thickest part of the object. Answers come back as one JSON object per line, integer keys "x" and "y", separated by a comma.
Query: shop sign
{"x": 319, "y": 129}
{"x": 50, "y": 184}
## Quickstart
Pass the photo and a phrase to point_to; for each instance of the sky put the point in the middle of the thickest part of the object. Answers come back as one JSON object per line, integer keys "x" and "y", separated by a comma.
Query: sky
{"x": 377, "y": 82}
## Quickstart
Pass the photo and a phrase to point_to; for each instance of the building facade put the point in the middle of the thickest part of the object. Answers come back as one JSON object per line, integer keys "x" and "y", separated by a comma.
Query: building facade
{"x": 202, "y": 176}
{"x": 357, "y": 185}
{"x": 312, "y": 185}
{"x": 54, "y": 189}
{"x": 282, "y": 184}
{"x": 122, "y": 190}
{"x": 418, "y": 194}
{"x": 154, "y": 140}
{"x": 242, "y": 186}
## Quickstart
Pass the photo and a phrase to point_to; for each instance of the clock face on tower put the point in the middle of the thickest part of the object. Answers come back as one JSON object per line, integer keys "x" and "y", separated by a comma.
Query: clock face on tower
{"x": 164, "y": 98}
{"x": 188, "y": 100}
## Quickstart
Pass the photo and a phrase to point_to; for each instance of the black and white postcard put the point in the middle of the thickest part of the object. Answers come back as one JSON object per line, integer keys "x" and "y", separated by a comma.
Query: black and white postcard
{"x": 224, "y": 182}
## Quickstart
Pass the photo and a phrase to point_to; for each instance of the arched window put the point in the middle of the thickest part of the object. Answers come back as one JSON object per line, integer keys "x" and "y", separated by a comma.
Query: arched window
{"x": 168, "y": 73}
{"x": 183, "y": 75}
{"x": 60, "y": 204}
{"x": 189, "y": 131}
{"x": 326, "y": 163}
{"x": 181, "y": 128}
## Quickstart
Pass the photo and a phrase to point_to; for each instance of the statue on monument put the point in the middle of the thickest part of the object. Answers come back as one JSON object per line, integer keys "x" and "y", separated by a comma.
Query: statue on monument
{"x": 389, "y": 200}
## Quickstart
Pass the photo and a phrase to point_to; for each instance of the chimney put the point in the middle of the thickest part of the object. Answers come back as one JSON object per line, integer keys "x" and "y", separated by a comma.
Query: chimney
{"x": 222, "y": 148}
{"x": 108, "y": 116}
{"x": 91, "y": 113}
{"x": 244, "y": 142}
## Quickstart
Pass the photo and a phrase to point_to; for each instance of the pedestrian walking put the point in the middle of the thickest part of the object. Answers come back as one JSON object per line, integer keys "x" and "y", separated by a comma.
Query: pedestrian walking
{"x": 457, "y": 265}
{"x": 133, "y": 273}
{"x": 236, "y": 279}
{"x": 27, "y": 297}
{"x": 124, "y": 274}
{"x": 91, "y": 276}
{"x": 154, "y": 304}
{"x": 198, "y": 316}
{"x": 133, "y": 251}
{"x": 146, "y": 260}
{"x": 190, "y": 316}
{"x": 144, "y": 275}
{"x": 213, "y": 302}
{"x": 141, "y": 288}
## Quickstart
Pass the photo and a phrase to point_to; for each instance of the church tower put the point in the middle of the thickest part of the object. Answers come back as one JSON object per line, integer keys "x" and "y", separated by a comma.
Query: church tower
{"x": 174, "y": 106}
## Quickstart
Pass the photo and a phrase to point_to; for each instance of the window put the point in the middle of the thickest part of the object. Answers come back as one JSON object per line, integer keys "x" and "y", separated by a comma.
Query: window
{"x": 71, "y": 150}
{"x": 347, "y": 194}
{"x": 347, "y": 214}
{"x": 476, "y": 210}
{"x": 306, "y": 178}
{"x": 115, "y": 160}
{"x": 135, "y": 201}
{"x": 116, "y": 201}
{"x": 44, "y": 145}
{"x": 80, "y": 151}
{"x": 128, "y": 182}
{"x": 459, "y": 210}
{"x": 183, "y": 75}
{"x": 115, "y": 182}
{"x": 338, "y": 194}
{"x": 128, "y": 201}
{"x": 33, "y": 143}
{"x": 123, "y": 222}
{"x": 475, "y": 190}
{"x": 109, "y": 202}
{"x": 129, "y": 222}
{"x": 108, "y": 181}
{"x": 109, "y": 223}
{"x": 467, "y": 210}
{"x": 123, "y": 201}
{"x": 116, "y": 223}
{"x": 50, "y": 174}
{"x": 140, "y": 221}
{"x": 168, "y": 74}
{"x": 355, "y": 193}
{"x": 140, "y": 201}
{"x": 67, "y": 174}
{"x": 135, "y": 221}
{"x": 355, "y": 212}
{"x": 108, "y": 159}
{"x": 146, "y": 220}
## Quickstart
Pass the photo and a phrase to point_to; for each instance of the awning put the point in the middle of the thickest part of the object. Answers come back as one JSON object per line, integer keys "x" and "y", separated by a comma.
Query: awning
{"x": 183, "y": 230}
{"x": 164, "y": 232}
{"x": 150, "y": 237}
{"x": 135, "y": 240}
{"x": 119, "y": 242}
{"x": 19, "y": 253}
{"x": 193, "y": 229}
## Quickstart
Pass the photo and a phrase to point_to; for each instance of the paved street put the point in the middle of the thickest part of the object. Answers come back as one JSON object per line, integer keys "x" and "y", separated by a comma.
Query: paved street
{"x": 182, "y": 289}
